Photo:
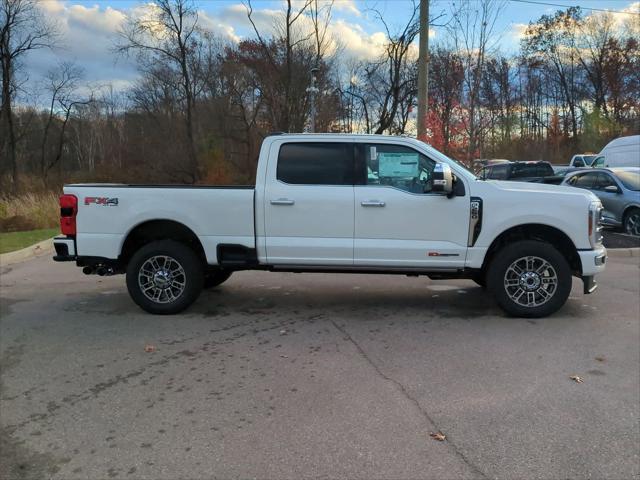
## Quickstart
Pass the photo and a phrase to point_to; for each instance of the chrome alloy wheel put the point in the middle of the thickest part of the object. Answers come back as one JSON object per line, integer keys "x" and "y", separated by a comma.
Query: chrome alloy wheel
{"x": 530, "y": 281}
{"x": 162, "y": 279}
{"x": 632, "y": 223}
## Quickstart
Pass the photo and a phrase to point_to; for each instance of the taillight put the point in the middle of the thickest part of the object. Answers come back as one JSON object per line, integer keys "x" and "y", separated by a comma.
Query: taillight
{"x": 68, "y": 212}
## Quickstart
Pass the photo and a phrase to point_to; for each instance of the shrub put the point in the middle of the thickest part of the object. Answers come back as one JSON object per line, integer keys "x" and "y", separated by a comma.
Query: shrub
{"x": 29, "y": 211}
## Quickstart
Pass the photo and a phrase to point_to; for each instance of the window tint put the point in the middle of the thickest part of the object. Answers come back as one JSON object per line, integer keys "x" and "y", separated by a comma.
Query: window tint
{"x": 398, "y": 166}
{"x": 522, "y": 170}
{"x": 603, "y": 180}
{"x": 585, "y": 181}
{"x": 316, "y": 163}
{"x": 499, "y": 172}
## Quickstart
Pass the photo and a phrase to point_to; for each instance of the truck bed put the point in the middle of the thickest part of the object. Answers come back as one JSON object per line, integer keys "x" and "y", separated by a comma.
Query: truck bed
{"x": 108, "y": 212}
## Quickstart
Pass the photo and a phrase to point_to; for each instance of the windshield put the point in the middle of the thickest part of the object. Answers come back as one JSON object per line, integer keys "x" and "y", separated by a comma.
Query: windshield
{"x": 631, "y": 180}
{"x": 588, "y": 159}
{"x": 457, "y": 162}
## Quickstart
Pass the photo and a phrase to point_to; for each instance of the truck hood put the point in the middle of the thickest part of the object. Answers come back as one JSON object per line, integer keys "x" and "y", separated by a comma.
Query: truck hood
{"x": 542, "y": 188}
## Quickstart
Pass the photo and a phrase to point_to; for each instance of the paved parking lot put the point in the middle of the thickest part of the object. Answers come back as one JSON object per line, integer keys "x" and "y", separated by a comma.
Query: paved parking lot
{"x": 301, "y": 375}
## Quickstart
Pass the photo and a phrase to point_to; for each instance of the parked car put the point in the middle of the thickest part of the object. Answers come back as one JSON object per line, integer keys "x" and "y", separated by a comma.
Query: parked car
{"x": 536, "y": 172}
{"x": 583, "y": 160}
{"x": 344, "y": 204}
{"x": 619, "y": 191}
{"x": 621, "y": 152}
{"x": 564, "y": 170}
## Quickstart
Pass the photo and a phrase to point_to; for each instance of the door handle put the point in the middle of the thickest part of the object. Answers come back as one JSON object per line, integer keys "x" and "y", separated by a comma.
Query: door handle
{"x": 372, "y": 203}
{"x": 282, "y": 201}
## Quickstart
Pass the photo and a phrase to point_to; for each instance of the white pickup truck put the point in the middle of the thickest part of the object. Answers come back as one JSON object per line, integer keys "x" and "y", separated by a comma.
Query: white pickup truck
{"x": 339, "y": 203}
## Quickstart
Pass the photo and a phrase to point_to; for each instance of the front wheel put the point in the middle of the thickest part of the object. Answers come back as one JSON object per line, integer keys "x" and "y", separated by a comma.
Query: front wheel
{"x": 632, "y": 222}
{"x": 165, "y": 277}
{"x": 529, "y": 279}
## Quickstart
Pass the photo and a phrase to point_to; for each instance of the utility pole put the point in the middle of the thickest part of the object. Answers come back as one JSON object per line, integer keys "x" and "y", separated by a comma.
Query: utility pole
{"x": 313, "y": 91}
{"x": 423, "y": 70}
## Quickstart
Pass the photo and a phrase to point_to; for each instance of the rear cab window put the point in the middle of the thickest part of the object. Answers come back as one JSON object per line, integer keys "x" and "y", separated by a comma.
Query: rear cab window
{"x": 316, "y": 163}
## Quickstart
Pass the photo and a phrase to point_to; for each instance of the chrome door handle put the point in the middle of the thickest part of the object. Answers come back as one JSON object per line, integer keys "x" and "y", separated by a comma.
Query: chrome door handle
{"x": 282, "y": 201}
{"x": 372, "y": 203}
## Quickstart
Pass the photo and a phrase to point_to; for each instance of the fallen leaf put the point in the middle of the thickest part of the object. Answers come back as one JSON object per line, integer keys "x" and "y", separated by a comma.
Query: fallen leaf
{"x": 149, "y": 348}
{"x": 600, "y": 359}
{"x": 576, "y": 378}
{"x": 439, "y": 436}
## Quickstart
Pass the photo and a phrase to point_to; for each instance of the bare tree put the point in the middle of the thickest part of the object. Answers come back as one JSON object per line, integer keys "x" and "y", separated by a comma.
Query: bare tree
{"x": 392, "y": 79}
{"x": 23, "y": 28}
{"x": 169, "y": 37}
{"x": 61, "y": 83}
{"x": 472, "y": 31}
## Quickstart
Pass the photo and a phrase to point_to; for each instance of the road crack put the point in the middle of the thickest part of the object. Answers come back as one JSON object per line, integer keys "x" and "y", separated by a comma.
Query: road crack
{"x": 401, "y": 388}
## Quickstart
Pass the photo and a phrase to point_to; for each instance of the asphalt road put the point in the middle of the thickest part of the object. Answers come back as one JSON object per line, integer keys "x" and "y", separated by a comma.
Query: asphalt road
{"x": 302, "y": 375}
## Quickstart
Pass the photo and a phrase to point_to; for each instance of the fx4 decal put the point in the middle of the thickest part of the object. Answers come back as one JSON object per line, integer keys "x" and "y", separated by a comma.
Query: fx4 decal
{"x": 104, "y": 201}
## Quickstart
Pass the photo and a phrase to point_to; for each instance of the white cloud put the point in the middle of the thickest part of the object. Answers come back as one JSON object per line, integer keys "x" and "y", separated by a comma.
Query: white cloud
{"x": 347, "y": 6}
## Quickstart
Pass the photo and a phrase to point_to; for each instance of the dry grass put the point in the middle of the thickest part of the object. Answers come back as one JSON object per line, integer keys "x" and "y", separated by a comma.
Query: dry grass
{"x": 29, "y": 212}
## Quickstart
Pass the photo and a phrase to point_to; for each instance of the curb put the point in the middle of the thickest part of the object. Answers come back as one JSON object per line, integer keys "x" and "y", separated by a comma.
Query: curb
{"x": 41, "y": 248}
{"x": 623, "y": 252}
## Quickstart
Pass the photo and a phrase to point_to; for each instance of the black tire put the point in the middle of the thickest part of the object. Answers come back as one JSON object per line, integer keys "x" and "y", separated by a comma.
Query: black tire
{"x": 535, "y": 285}
{"x": 191, "y": 275}
{"x": 213, "y": 279}
{"x": 631, "y": 222}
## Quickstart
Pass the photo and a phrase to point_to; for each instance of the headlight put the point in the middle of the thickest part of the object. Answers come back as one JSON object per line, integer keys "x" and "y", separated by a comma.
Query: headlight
{"x": 594, "y": 221}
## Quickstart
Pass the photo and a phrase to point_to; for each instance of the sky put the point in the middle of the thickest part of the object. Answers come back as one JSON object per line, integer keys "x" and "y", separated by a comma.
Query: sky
{"x": 90, "y": 29}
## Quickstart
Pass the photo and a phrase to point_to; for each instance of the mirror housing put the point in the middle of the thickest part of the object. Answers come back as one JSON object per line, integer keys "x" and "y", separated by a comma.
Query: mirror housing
{"x": 442, "y": 179}
{"x": 611, "y": 189}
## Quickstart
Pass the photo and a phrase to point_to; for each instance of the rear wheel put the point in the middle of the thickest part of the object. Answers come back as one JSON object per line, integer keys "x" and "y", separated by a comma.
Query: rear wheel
{"x": 213, "y": 279}
{"x": 632, "y": 222}
{"x": 529, "y": 279}
{"x": 165, "y": 277}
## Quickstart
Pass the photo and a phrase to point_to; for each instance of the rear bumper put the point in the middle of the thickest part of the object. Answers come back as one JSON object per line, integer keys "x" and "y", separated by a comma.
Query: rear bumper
{"x": 65, "y": 249}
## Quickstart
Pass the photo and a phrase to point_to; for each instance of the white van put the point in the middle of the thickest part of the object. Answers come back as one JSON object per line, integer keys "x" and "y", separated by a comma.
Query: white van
{"x": 621, "y": 152}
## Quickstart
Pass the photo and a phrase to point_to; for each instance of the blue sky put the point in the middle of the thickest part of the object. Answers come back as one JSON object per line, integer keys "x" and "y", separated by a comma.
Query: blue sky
{"x": 90, "y": 28}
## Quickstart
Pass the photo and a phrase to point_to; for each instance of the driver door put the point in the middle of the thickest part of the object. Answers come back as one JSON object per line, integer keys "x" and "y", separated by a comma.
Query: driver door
{"x": 399, "y": 221}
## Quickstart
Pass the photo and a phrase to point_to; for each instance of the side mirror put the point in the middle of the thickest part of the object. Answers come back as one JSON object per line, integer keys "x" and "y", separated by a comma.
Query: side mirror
{"x": 442, "y": 179}
{"x": 611, "y": 189}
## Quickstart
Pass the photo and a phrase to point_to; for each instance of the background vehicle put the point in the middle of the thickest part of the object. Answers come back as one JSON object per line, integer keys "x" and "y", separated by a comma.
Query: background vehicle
{"x": 536, "y": 172}
{"x": 583, "y": 160}
{"x": 339, "y": 203}
{"x": 621, "y": 152}
{"x": 619, "y": 191}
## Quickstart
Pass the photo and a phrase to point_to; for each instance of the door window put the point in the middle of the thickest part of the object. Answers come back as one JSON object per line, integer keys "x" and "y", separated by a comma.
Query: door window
{"x": 397, "y": 166}
{"x": 499, "y": 172}
{"x": 603, "y": 180}
{"x": 308, "y": 163}
{"x": 585, "y": 180}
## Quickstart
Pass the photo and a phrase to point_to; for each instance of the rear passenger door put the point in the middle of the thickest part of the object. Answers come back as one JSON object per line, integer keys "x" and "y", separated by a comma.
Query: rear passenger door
{"x": 309, "y": 204}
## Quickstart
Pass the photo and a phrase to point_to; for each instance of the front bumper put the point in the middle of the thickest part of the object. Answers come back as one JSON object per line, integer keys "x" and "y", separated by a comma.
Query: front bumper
{"x": 593, "y": 262}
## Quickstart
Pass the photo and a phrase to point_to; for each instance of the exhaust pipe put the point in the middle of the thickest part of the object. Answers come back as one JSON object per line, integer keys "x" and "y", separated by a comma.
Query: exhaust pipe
{"x": 105, "y": 271}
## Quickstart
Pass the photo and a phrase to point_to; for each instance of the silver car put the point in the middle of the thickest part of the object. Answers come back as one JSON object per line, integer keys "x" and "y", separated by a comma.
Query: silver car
{"x": 619, "y": 191}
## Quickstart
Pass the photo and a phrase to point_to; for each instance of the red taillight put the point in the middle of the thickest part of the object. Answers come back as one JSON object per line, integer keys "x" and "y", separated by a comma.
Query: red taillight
{"x": 68, "y": 212}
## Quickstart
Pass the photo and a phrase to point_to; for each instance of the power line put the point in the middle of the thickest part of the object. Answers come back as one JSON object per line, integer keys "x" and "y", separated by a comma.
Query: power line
{"x": 576, "y": 6}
